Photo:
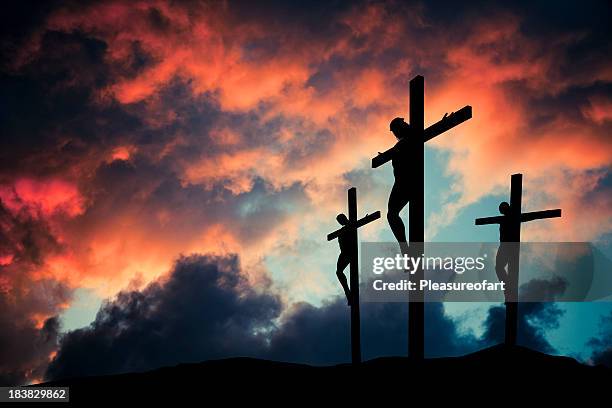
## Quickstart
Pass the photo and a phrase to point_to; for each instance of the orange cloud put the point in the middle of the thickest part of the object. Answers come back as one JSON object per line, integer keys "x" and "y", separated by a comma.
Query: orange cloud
{"x": 47, "y": 197}
{"x": 501, "y": 140}
{"x": 6, "y": 259}
{"x": 122, "y": 153}
{"x": 599, "y": 110}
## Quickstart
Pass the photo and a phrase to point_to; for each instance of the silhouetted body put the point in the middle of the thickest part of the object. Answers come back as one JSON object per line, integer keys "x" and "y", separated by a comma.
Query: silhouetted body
{"x": 504, "y": 252}
{"x": 400, "y": 192}
{"x": 344, "y": 259}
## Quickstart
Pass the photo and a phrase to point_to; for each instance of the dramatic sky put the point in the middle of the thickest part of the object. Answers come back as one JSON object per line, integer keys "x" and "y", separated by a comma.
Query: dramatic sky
{"x": 169, "y": 170}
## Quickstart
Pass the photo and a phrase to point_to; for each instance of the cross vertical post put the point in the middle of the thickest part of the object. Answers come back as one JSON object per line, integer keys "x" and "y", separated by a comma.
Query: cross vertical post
{"x": 416, "y": 215}
{"x": 516, "y": 192}
{"x": 354, "y": 282}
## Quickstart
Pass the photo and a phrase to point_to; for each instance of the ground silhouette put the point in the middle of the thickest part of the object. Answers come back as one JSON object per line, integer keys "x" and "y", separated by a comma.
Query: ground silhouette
{"x": 498, "y": 373}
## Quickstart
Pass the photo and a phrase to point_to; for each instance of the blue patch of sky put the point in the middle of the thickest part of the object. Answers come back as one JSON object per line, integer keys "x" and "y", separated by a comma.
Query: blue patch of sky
{"x": 82, "y": 310}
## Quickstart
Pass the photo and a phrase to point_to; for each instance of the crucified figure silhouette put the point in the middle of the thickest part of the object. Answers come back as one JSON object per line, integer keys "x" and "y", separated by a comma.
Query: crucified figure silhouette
{"x": 400, "y": 193}
{"x": 347, "y": 240}
{"x": 344, "y": 259}
{"x": 504, "y": 252}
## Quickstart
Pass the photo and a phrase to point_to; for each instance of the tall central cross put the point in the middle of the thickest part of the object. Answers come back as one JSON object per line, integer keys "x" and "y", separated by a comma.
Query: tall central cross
{"x": 351, "y": 230}
{"x": 511, "y": 225}
{"x": 416, "y": 209}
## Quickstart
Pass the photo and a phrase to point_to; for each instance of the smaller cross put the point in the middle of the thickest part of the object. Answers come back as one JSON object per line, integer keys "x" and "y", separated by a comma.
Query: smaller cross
{"x": 510, "y": 231}
{"x": 349, "y": 233}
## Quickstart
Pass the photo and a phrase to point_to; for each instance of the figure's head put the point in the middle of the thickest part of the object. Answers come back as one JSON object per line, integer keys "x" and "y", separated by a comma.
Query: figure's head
{"x": 399, "y": 128}
{"x": 342, "y": 220}
{"x": 504, "y": 208}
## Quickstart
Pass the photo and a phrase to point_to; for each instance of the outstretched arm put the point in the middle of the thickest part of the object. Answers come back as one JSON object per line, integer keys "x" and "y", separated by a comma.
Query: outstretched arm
{"x": 387, "y": 155}
{"x": 489, "y": 220}
{"x": 538, "y": 215}
{"x": 383, "y": 157}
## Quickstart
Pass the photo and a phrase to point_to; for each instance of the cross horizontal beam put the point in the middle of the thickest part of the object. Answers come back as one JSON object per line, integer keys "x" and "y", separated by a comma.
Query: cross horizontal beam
{"x": 525, "y": 217}
{"x": 360, "y": 223}
{"x": 434, "y": 130}
{"x": 368, "y": 218}
{"x": 538, "y": 215}
{"x": 489, "y": 220}
{"x": 448, "y": 122}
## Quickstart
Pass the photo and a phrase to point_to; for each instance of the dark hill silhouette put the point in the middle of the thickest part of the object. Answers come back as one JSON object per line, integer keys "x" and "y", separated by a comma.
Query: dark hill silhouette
{"x": 499, "y": 373}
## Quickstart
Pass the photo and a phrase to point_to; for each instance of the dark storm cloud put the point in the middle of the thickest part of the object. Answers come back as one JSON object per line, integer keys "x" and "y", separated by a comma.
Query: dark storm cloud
{"x": 24, "y": 17}
{"x": 533, "y": 321}
{"x": 49, "y": 128}
{"x": 51, "y": 88}
{"x": 24, "y": 349}
{"x": 27, "y": 335}
{"x": 203, "y": 311}
{"x": 602, "y": 344}
{"x": 314, "y": 335}
{"x": 534, "y": 318}
{"x": 603, "y": 355}
{"x": 25, "y": 237}
{"x": 321, "y": 335}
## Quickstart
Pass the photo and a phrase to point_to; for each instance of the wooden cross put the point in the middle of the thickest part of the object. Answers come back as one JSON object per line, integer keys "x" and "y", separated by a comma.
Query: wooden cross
{"x": 416, "y": 209}
{"x": 351, "y": 228}
{"x": 513, "y": 221}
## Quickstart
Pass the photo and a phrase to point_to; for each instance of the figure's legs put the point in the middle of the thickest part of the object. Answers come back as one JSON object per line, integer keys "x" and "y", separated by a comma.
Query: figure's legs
{"x": 343, "y": 262}
{"x": 398, "y": 199}
{"x": 501, "y": 262}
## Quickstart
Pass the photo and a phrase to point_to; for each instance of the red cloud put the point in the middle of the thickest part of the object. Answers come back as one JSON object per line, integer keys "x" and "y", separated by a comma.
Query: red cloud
{"x": 599, "y": 110}
{"x": 44, "y": 197}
